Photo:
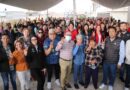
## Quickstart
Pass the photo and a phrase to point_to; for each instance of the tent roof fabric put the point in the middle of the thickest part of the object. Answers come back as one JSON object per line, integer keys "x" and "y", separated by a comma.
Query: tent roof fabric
{"x": 40, "y": 5}
{"x": 113, "y": 4}
{"x": 36, "y": 5}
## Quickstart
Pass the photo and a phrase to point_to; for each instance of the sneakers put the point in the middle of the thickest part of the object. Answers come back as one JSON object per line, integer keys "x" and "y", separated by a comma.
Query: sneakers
{"x": 122, "y": 79}
{"x": 57, "y": 82}
{"x": 49, "y": 85}
{"x": 85, "y": 86}
{"x": 68, "y": 85}
{"x": 102, "y": 86}
{"x": 110, "y": 88}
{"x": 64, "y": 88}
{"x": 126, "y": 88}
{"x": 76, "y": 86}
{"x": 81, "y": 83}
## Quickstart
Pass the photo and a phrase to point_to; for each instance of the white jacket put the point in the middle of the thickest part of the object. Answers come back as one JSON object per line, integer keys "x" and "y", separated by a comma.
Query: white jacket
{"x": 127, "y": 52}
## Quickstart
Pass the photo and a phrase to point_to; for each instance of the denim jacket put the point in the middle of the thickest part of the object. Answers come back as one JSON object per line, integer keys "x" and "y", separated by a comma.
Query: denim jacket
{"x": 79, "y": 54}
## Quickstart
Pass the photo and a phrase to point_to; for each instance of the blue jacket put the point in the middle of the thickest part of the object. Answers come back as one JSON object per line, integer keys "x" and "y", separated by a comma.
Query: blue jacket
{"x": 53, "y": 57}
{"x": 79, "y": 54}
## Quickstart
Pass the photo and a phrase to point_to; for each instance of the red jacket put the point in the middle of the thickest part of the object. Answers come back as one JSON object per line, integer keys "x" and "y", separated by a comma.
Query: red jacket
{"x": 129, "y": 29}
{"x": 97, "y": 38}
{"x": 74, "y": 34}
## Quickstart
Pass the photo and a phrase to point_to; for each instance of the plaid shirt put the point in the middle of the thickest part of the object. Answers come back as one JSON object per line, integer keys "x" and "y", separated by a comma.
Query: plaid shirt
{"x": 94, "y": 54}
{"x": 86, "y": 39}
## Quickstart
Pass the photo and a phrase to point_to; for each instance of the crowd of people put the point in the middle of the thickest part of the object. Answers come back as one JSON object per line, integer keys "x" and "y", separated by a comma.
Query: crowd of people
{"x": 37, "y": 49}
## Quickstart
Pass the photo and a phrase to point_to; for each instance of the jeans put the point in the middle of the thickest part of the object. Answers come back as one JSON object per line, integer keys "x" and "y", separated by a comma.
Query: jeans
{"x": 109, "y": 72}
{"x": 127, "y": 80}
{"x": 40, "y": 78}
{"x": 5, "y": 78}
{"x": 91, "y": 73}
{"x": 24, "y": 78}
{"x": 51, "y": 68}
{"x": 78, "y": 73}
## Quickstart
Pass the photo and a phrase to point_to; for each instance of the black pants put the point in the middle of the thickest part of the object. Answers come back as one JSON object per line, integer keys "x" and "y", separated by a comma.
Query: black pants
{"x": 91, "y": 72}
{"x": 122, "y": 71}
{"x": 127, "y": 80}
{"x": 39, "y": 77}
{"x": 51, "y": 68}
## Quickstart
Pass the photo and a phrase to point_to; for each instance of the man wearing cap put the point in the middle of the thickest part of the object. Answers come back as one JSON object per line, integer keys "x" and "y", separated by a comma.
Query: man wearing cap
{"x": 50, "y": 44}
{"x": 65, "y": 46}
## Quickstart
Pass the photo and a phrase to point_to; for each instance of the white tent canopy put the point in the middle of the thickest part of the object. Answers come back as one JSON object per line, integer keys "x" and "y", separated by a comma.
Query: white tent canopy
{"x": 40, "y": 5}
{"x": 36, "y": 5}
{"x": 113, "y": 4}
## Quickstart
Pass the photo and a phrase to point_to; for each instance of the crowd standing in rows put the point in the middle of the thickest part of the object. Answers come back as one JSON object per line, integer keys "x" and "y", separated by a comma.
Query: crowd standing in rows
{"x": 36, "y": 49}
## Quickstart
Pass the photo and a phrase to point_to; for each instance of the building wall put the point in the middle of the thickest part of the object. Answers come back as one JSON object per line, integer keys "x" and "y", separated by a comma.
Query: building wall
{"x": 120, "y": 15}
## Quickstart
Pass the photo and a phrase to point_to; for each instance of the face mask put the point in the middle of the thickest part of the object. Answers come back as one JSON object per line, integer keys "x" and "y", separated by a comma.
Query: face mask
{"x": 68, "y": 38}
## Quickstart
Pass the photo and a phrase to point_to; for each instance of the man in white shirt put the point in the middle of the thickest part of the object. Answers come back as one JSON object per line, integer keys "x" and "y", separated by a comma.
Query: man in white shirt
{"x": 127, "y": 64}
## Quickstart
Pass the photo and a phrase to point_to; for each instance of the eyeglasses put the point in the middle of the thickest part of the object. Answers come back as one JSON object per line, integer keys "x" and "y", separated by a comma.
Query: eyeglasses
{"x": 40, "y": 32}
{"x": 34, "y": 39}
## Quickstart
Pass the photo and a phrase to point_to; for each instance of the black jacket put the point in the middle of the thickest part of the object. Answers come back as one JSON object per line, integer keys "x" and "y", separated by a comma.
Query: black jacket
{"x": 4, "y": 61}
{"x": 125, "y": 36}
{"x": 11, "y": 35}
{"x": 36, "y": 59}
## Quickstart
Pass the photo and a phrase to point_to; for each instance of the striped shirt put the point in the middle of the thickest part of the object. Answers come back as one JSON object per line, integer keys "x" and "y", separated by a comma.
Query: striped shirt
{"x": 66, "y": 50}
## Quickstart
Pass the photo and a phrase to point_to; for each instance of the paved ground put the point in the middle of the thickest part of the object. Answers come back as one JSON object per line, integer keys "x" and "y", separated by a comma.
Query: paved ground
{"x": 118, "y": 85}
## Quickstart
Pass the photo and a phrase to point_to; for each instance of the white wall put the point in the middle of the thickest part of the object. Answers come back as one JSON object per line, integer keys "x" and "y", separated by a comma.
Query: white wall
{"x": 120, "y": 15}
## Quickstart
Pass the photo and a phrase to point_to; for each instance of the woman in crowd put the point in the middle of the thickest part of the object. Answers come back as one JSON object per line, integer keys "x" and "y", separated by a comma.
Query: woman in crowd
{"x": 22, "y": 68}
{"x": 52, "y": 58}
{"x": 86, "y": 34}
{"x": 79, "y": 58}
{"x": 98, "y": 35}
{"x": 36, "y": 61}
{"x": 104, "y": 31}
{"x": 40, "y": 37}
{"x": 91, "y": 29}
{"x": 73, "y": 31}
{"x": 92, "y": 61}
{"x": 25, "y": 38}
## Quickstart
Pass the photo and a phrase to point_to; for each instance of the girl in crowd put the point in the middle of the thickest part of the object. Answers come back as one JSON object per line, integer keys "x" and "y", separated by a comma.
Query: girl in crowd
{"x": 22, "y": 68}
{"x": 94, "y": 57}
{"x": 36, "y": 61}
